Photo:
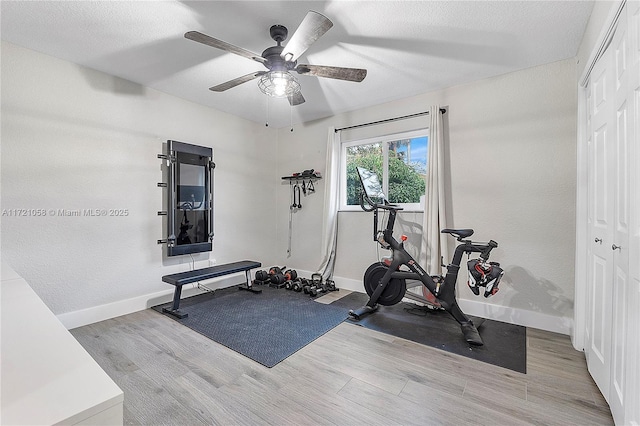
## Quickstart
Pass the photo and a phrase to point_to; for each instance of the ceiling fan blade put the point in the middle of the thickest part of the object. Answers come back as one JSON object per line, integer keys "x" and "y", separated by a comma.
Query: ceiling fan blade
{"x": 236, "y": 81}
{"x": 222, "y": 45}
{"x": 296, "y": 99}
{"x": 349, "y": 74}
{"x": 312, "y": 27}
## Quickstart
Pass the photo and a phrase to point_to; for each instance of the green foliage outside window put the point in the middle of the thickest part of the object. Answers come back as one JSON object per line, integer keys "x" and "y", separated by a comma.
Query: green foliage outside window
{"x": 406, "y": 184}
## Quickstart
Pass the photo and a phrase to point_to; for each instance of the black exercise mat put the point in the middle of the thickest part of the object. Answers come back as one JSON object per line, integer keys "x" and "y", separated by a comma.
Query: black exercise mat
{"x": 266, "y": 327}
{"x": 504, "y": 344}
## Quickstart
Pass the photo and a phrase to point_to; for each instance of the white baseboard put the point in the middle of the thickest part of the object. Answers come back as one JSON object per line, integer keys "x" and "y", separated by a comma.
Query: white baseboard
{"x": 517, "y": 316}
{"x": 562, "y": 325}
{"x": 95, "y": 314}
{"x": 482, "y": 309}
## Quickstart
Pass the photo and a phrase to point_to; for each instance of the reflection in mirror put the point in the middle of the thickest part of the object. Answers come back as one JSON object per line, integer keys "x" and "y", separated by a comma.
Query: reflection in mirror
{"x": 371, "y": 184}
{"x": 192, "y": 185}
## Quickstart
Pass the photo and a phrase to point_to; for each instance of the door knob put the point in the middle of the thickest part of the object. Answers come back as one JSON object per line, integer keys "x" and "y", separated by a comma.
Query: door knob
{"x": 598, "y": 240}
{"x": 614, "y": 247}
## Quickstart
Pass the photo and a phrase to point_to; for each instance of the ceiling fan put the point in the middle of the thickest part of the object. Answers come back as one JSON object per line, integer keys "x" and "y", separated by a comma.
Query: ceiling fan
{"x": 280, "y": 60}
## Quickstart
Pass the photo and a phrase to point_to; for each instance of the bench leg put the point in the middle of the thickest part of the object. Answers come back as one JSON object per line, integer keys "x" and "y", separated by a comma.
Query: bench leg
{"x": 249, "y": 285}
{"x": 175, "y": 311}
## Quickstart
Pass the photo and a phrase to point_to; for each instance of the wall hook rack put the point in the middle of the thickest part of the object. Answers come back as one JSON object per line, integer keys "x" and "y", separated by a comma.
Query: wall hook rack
{"x": 298, "y": 182}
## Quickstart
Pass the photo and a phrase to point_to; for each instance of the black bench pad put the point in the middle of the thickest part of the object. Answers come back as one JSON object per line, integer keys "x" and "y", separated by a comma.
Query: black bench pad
{"x": 188, "y": 277}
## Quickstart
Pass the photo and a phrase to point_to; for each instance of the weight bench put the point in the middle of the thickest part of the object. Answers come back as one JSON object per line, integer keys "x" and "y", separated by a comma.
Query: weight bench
{"x": 189, "y": 277}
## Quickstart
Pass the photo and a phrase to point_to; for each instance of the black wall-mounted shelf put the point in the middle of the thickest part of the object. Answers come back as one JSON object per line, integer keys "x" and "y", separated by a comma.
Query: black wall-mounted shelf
{"x": 301, "y": 177}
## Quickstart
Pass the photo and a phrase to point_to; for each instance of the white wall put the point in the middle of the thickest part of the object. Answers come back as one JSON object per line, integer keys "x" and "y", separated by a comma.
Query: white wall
{"x": 74, "y": 138}
{"x": 511, "y": 155}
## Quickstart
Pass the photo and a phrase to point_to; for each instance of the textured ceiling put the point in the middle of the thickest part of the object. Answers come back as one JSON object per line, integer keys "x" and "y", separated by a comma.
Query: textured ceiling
{"x": 408, "y": 47}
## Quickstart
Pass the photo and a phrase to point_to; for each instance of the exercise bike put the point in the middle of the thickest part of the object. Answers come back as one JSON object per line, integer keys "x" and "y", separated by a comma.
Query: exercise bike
{"x": 385, "y": 282}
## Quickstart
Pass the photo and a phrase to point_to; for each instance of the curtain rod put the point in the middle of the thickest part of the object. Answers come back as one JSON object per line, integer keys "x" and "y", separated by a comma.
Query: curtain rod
{"x": 417, "y": 114}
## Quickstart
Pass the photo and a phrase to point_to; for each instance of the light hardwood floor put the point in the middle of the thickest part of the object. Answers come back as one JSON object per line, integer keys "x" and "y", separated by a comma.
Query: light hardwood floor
{"x": 349, "y": 376}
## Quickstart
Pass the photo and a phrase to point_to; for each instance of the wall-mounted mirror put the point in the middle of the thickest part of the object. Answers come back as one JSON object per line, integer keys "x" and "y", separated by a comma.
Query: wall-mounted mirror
{"x": 189, "y": 198}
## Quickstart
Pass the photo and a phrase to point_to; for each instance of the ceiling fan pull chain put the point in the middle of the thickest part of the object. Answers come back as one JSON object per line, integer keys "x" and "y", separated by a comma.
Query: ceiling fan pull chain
{"x": 291, "y": 116}
{"x": 266, "y": 124}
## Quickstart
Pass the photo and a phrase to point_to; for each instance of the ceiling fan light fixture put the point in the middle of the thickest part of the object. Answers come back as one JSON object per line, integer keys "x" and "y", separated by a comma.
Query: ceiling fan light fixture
{"x": 279, "y": 84}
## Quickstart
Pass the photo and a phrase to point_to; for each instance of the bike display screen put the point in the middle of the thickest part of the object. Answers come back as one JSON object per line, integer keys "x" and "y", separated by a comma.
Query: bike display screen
{"x": 371, "y": 184}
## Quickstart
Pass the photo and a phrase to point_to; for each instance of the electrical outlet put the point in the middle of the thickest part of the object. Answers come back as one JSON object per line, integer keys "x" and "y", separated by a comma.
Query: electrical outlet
{"x": 212, "y": 262}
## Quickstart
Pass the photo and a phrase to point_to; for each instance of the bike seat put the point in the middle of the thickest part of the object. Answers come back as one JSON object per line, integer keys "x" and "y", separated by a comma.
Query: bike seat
{"x": 458, "y": 233}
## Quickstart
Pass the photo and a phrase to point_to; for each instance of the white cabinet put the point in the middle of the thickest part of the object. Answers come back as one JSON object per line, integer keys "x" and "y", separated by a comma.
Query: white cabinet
{"x": 47, "y": 377}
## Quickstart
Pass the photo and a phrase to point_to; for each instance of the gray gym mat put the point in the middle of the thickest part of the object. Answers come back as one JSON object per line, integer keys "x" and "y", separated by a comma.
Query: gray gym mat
{"x": 505, "y": 345}
{"x": 266, "y": 327}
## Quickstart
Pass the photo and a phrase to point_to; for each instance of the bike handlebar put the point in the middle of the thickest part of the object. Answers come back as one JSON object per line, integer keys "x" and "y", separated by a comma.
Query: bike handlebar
{"x": 476, "y": 247}
{"x": 389, "y": 207}
{"x": 374, "y": 205}
{"x": 490, "y": 246}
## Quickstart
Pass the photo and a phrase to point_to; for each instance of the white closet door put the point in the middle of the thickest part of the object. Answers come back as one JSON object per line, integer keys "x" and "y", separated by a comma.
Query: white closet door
{"x": 601, "y": 140}
{"x": 612, "y": 330}
{"x": 633, "y": 330}
{"x": 610, "y": 240}
{"x": 621, "y": 203}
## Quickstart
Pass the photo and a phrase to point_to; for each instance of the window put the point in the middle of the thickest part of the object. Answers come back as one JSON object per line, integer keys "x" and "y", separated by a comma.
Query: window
{"x": 399, "y": 160}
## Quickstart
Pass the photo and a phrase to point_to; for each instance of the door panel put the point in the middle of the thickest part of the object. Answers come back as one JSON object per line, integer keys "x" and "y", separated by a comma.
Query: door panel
{"x": 600, "y": 313}
{"x": 612, "y": 134}
{"x": 620, "y": 245}
{"x": 632, "y": 408}
{"x": 618, "y": 337}
{"x": 598, "y": 333}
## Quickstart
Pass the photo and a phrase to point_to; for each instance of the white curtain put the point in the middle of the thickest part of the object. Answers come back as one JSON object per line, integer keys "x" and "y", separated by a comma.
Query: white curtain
{"x": 331, "y": 203}
{"x": 434, "y": 244}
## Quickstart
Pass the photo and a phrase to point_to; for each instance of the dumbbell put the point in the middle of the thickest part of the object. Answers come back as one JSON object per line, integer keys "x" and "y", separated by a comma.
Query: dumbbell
{"x": 276, "y": 276}
{"x": 314, "y": 291}
{"x": 275, "y": 270}
{"x": 290, "y": 274}
{"x": 299, "y": 284}
{"x": 262, "y": 277}
{"x": 294, "y": 284}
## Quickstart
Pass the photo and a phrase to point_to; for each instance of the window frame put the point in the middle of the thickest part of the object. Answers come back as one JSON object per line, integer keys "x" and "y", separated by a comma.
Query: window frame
{"x": 384, "y": 141}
